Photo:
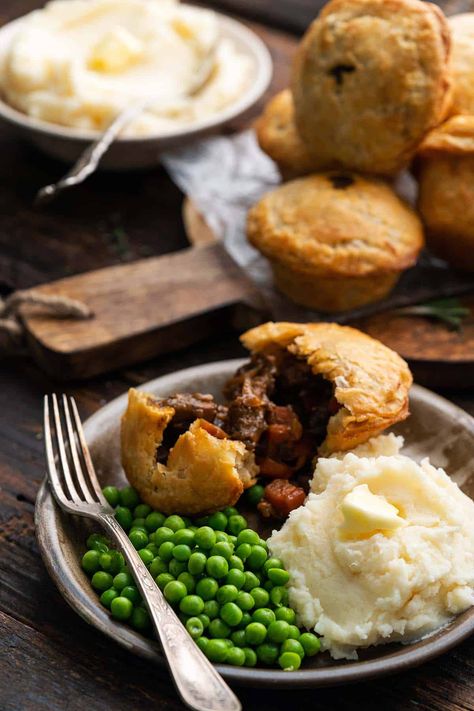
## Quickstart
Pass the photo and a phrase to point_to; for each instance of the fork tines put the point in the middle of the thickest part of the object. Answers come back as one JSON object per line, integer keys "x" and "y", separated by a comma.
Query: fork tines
{"x": 70, "y": 469}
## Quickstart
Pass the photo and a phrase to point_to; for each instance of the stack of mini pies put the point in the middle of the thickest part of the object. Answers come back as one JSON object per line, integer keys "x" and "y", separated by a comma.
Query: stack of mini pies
{"x": 375, "y": 89}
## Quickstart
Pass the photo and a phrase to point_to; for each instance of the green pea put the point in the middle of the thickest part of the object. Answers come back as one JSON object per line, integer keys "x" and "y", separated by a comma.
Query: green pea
{"x": 268, "y": 585}
{"x": 205, "y": 537}
{"x": 217, "y": 566}
{"x": 202, "y": 643}
{"x": 204, "y": 619}
{"x": 235, "y": 656}
{"x": 235, "y": 524}
{"x": 248, "y": 536}
{"x": 286, "y": 614}
{"x": 260, "y": 596}
{"x": 246, "y": 620}
{"x": 174, "y": 522}
{"x": 162, "y": 535}
{"x": 197, "y": 563}
{"x": 267, "y": 653}
{"x": 158, "y": 566}
{"x": 140, "y": 619}
{"x": 292, "y": 645}
{"x": 218, "y": 521}
{"x": 232, "y": 539}
{"x": 223, "y": 549}
{"x": 222, "y": 537}
{"x": 117, "y": 563}
{"x": 163, "y": 579}
{"x": 194, "y": 627}
{"x": 244, "y": 600}
{"x": 243, "y": 550}
{"x": 183, "y": 536}
{"x": 138, "y": 538}
{"x": 278, "y": 631}
{"x": 289, "y": 661}
{"x": 236, "y": 563}
{"x": 174, "y": 591}
{"x": 182, "y": 552}
{"x": 231, "y": 614}
{"x": 293, "y": 632}
{"x": 207, "y": 588}
{"x": 165, "y": 551}
{"x": 310, "y": 643}
{"x": 279, "y": 596}
{"x": 216, "y": 650}
{"x": 91, "y": 561}
{"x": 272, "y": 563}
{"x": 254, "y": 494}
{"x": 131, "y": 591}
{"x": 226, "y": 593}
{"x": 238, "y": 638}
{"x": 154, "y": 521}
{"x": 153, "y": 548}
{"x": 251, "y": 581}
{"x": 146, "y": 556}
{"x": 107, "y": 596}
{"x": 218, "y": 629}
{"x": 235, "y": 577}
{"x": 176, "y": 567}
{"x": 129, "y": 497}
{"x": 98, "y": 542}
{"x": 138, "y": 527}
{"x": 141, "y": 511}
{"x": 188, "y": 580}
{"x": 230, "y": 511}
{"x": 101, "y": 580}
{"x": 257, "y": 558}
{"x": 250, "y": 657}
{"x": 124, "y": 517}
{"x": 255, "y": 633}
{"x": 191, "y": 605}
{"x": 112, "y": 495}
{"x": 263, "y": 615}
{"x": 122, "y": 579}
{"x": 278, "y": 576}
{"x": 211, "y": 609}
{"x": 121, "y": 608}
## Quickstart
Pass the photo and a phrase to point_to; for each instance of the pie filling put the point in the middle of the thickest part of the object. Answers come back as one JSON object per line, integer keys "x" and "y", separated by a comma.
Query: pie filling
{"x": 278, "y": 408}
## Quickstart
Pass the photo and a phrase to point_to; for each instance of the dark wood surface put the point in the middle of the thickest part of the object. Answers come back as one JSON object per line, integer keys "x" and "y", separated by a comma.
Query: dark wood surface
{"x": 49, "y": 658}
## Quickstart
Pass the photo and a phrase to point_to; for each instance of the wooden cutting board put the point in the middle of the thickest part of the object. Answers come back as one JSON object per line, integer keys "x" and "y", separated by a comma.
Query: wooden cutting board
{"x": 142, "y": 309}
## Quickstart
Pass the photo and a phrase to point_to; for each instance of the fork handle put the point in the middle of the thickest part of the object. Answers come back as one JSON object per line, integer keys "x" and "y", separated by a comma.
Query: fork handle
{"x": 199, "y": 684}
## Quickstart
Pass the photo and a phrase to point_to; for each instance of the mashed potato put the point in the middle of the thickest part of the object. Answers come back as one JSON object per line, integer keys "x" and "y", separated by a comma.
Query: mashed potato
{"x": 81, "y": 62}
{"x": 382, "y": 550}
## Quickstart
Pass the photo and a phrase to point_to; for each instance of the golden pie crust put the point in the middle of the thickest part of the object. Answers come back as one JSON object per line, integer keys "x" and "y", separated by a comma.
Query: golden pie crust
{"x": 335, "y": 240}
{"x": 203, "y": 474}
{"x": 278, "y": 137}
{"x": 370, "y": 79}
{"x": 462, "y": 62}
{"x": 371, "y": 382}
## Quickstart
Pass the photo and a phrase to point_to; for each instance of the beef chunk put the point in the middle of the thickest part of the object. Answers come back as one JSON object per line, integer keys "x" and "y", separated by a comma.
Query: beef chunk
{"x": 190, "y": 406}
{"x": 280, "y": 498}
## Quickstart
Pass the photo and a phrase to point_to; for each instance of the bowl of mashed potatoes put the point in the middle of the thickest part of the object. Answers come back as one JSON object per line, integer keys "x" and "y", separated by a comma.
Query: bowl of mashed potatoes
{"x": 67, "y": 70}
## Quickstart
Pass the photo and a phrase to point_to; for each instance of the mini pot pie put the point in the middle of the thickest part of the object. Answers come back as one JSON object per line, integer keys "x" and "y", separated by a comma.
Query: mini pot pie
{"x": 306, "y": 388}
{"x": 335, "y": 241}
{"x": 180, "y": 463}
{"x": 445, "y": 172}
{"x": 279, "y": 138}
{"x": 370, "y": 79}
{"x": 462, "y": 63}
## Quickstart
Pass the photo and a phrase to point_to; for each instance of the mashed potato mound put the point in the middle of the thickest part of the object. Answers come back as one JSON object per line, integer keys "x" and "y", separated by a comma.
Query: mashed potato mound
{"x": 359, "y": 589}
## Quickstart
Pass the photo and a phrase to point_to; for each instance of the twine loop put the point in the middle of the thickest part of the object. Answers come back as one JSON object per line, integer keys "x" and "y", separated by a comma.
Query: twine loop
{"x": 12, "y": 331}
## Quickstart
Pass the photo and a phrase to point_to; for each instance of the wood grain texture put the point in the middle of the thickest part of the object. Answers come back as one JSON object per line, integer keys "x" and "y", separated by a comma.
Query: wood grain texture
{"x": 50, "y": 660}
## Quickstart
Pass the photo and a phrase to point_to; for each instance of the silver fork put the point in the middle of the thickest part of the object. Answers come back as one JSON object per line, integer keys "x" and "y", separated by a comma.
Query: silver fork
{"x": 75, "y": 487}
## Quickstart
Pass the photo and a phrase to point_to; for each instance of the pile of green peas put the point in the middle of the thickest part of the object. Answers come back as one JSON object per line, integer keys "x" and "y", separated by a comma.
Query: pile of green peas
{"x": 217, "y": 574}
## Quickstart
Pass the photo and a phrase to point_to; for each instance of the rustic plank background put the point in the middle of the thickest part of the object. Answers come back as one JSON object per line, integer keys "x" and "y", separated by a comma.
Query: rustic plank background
{"x": 49, "y": 658}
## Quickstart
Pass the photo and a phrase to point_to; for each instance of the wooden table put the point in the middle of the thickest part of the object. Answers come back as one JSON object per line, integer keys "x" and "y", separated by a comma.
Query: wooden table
{"x": 49, "y": 658}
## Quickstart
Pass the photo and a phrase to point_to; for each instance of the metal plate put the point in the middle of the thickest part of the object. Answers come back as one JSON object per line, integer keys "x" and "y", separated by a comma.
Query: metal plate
{"x": 436, "y": 428}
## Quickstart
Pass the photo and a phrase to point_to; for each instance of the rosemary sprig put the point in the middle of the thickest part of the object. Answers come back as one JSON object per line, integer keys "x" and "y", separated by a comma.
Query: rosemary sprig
{"x": 449, "y": 310}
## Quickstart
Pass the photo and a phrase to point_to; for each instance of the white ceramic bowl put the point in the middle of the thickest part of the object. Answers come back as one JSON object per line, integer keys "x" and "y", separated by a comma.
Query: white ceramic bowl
{"x": 138, "y": 151}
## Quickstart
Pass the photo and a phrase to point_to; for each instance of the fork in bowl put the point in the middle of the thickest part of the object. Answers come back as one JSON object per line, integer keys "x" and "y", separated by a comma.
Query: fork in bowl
{"x": 76, "y": 489}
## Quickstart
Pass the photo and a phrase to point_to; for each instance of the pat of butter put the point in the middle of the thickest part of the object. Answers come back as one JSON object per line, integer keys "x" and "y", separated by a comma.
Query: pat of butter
{"x": 117, "y": 50}
{"x": 365, "y": 512}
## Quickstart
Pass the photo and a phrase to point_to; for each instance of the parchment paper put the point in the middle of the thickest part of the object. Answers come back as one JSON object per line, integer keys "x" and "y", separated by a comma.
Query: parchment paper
{"x": 225, "y": 176}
